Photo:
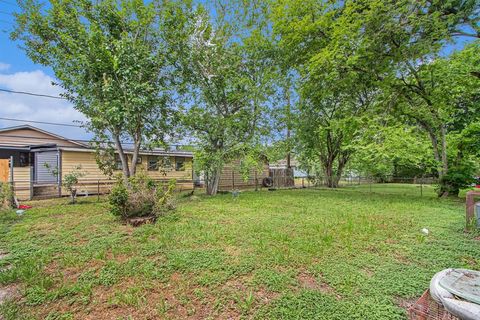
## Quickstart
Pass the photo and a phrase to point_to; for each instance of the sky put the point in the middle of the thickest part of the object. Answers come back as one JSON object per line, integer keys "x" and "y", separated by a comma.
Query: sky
{"x": 19, "y": 73}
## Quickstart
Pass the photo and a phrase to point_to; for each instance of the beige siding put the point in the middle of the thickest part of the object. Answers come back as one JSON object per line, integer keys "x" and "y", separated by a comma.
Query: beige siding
{"x": 94, "y": 178}
{"x": 26, "y": 137}
{"x": 232, "y": 178}
{"x": 21, "y": 182}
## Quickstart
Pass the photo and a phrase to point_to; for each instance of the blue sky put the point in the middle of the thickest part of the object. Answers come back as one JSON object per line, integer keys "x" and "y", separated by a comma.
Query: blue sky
{"x": 19, "y": 73}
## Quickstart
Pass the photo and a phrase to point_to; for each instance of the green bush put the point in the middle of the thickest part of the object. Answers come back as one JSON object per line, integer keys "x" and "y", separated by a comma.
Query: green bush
{"x": 6, "y": 196}
{"x": 457, "y": 178}
{"x": 142, "y": 197}
{"x": 118, "y": 199}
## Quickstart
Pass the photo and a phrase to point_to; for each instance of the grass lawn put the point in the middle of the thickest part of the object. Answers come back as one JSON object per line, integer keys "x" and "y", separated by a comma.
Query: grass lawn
{"x": 291, "y": 254}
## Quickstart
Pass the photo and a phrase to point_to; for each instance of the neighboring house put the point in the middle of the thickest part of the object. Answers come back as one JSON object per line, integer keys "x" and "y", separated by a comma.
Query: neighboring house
{"x": 294, "y": 164}
{"x": 34, "y": 151}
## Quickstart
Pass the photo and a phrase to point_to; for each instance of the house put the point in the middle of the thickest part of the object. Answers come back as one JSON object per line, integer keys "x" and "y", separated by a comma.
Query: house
{"x": 34, "y": 152}
{"x": 294, "y": 164}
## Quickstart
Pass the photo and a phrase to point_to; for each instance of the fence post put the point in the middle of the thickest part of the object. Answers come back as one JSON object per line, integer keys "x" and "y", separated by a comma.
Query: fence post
{"x": 12, "y": 181}
{"x": 256, "y": 181}
{"x": 233, "y": 180}
{"x": 31, "y": 182}
{"x": 421, "y": 187}
{"x": 98, "y": 190}
{"x": 303, "y": 182}
{"x": 11, "y": 169}
{"x": 370, "y": 183}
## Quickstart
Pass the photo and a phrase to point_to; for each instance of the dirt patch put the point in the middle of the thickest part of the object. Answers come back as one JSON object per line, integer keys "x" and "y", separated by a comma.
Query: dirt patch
{"x": 233, "y": 251}
{"x": 368, "y": 272}
{"x": 391, "y": 241}
{"x": 239, "y": 283}
{"x": 401, "y": 258}
{"x": 308, "y": 281}
{"x": 265, "y": 296}
{"x": 9, "y": 292}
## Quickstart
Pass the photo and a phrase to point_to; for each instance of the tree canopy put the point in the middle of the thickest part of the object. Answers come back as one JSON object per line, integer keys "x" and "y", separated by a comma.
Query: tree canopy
{"x": 365, "y": 85}
{"x": 111, "y": 59}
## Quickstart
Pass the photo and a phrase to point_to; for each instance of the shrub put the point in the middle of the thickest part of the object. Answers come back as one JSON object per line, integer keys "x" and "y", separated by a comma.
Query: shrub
{"x": 118, "y": 199}
{"x": 70, "y": 180}
{"x": 6, "y": 196}
{"x": 457, "y": 178}
{"x": 142, "y": 197}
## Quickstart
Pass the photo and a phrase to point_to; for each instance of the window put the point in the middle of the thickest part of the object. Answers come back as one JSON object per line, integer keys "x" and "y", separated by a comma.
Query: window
{"x": 179, "y": 164}
{"x": 152, "y": 163}
{"x": 165, "y": 163}
{"x": 118, "y": 162}
{"x": 24, "y": 158}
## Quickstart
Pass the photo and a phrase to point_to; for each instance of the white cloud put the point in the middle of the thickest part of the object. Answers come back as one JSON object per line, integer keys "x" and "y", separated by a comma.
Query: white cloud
{"x": 33, "y": 108}
{"x": 4, "y": 66}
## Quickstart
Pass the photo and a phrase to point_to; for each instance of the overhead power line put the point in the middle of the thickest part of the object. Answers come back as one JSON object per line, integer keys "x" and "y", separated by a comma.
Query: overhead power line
{"x": 42, "y": 122}
{"x": 33, "y": 94}
{"x": 76, "y": 140}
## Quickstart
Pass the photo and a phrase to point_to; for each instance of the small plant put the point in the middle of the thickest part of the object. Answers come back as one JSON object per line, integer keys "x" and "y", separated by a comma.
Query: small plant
{"x": 6, "y": 196}
{"x": 70, "y": 180}
{"x": 142, "y": 197}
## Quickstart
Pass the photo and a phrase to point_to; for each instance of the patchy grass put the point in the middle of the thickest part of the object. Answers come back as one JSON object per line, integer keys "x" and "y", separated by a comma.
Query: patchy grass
{"x": 286, "y": 254}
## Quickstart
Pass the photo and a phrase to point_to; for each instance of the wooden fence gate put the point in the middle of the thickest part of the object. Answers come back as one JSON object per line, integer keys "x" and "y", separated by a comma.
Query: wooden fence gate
{"x": 4, "y": 170}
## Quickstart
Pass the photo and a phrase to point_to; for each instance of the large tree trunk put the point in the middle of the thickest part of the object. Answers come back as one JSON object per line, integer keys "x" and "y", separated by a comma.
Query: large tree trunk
{"x": 342, "y": 161}
{"x": 136, "y": 151}
{"x": 330, "y": 176}
{"x": 213, "y": 179}
{"x": 445, "y": 190}
{"x": 443, "y": 132}
{"x": 123, "y": 157}
{"x": 440, "y": 155}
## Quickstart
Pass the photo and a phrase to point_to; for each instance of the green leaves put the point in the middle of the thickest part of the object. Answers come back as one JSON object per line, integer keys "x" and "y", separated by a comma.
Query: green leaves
{"x": 111, "y": 60}
{"x": 227, "y": 78}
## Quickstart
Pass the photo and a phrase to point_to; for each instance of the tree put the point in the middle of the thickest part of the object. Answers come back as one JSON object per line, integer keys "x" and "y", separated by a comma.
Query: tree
{"x": 387, "y": 147}
{"x": 226, "y": 79}
{"x": 335, "y": 93}
{"x": 111, "y": 59}
{"x": 441, "y": 96}
{"x": 361, "y": 48}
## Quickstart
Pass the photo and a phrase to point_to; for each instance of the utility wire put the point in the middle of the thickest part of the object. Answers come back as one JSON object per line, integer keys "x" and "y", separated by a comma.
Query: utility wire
{"x": 33, "y": 94}
{"x": 43, "y": 122}
{"x": 75, "y": 140}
